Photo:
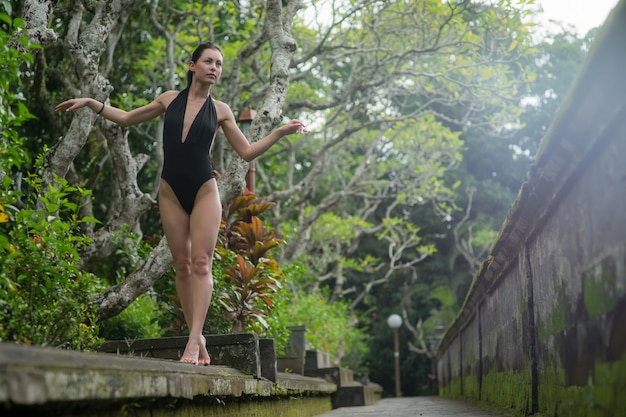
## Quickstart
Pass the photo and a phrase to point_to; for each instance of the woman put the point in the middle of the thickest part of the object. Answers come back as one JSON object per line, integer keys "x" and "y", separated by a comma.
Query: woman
{"x": 189, "y": 202}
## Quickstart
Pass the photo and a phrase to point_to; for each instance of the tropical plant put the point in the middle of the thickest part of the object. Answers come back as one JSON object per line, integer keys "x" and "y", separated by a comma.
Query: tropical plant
{"x": 251, "y": 276}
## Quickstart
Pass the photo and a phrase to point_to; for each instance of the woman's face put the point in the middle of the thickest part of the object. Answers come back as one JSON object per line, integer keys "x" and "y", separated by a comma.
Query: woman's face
{"x": 208, "y": 68}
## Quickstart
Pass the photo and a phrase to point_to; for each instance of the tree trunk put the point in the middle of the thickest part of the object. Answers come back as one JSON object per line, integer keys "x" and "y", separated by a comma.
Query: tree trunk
{"x": 86, "y": 45}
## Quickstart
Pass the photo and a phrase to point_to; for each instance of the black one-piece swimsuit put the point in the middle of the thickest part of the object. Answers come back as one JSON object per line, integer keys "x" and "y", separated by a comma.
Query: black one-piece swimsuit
{"x": 186, "y": 164}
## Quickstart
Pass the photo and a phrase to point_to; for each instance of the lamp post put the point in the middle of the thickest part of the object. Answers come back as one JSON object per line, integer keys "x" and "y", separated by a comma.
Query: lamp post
{"x": 395, "y": 321}
{"x": 245, "y": 120}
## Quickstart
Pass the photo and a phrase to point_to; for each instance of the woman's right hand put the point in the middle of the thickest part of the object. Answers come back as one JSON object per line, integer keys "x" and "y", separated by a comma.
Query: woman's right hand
{"x": 73, "y": 104}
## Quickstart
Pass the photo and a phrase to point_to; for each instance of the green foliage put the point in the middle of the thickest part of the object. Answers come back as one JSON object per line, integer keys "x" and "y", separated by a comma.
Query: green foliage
{"x": 251, "y": 277}
{"x": 441, "y": 316}
{"x": 14, "y": 46}
{"x": 140, "y": 320}
{"x": 47, "y": 299}
{"x": 172, "y": 320}
{"x": 279, "y": 321}
{"x": 329, "y": 327}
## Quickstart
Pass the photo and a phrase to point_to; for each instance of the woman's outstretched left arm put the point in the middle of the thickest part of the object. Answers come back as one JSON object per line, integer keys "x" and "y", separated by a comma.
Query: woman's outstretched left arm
{"x": 249, "y": 151}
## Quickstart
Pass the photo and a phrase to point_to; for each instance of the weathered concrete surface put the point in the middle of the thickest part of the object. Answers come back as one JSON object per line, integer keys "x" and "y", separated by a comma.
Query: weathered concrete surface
{"x": 543, "y": 327}
{"x": 350, "y": 393}
{"x": 240, "y": 351}
{"x": 413, "y": 407}
{"x": 269, "y": 357}
{"x": 48, "y": 380}
{"x": 293, "y": 359}
{"x": 314, "y": 359}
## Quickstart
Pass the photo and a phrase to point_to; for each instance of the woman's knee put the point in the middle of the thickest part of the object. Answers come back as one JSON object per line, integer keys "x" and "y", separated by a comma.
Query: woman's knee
{"x": 183, "y": 268}
{"x": 202, "y": 265}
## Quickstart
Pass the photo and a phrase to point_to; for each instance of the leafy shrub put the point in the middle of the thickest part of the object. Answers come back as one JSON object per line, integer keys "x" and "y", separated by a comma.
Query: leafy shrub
{"x": 279, "y": 321}
{"x": 46, "y": 298}
{"x": 329, "y": 327}
{"x": 13, "y": 112}
{"x": 140, "y": 320}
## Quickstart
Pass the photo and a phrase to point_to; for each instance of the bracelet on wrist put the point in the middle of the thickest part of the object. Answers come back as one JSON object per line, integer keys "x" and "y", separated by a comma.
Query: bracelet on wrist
{"x": 102, "y": 108}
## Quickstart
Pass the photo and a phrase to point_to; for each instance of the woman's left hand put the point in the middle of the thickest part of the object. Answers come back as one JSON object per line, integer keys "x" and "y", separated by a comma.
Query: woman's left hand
{"x": 293, "y": 126}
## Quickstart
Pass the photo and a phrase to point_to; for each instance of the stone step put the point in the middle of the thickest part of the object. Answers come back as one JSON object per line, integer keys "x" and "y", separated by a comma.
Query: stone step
{"x": 293, "y": 359}
{"x": 53, "y": 382}
{"x": 239, "y": 351}
{"x": 315, "y": 359}
{"x": 336, "y": 375}
{"x": 356, "y": 394}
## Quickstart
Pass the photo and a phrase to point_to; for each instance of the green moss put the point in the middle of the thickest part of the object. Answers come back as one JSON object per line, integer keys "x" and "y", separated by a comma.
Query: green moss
{"x": 508, "y": 389}
{"x": 524, "y": 302}
{"x": 306, "y": 406}
{"x": 509, "y": 392}
{"x": 599, "y": 288}
{"x": 611, "y": 380}
{"x": 471, "y": 389}
{"x": 550, "y": 389}
{"x": 555, "y": 322}
{"x": 602, "y": 397}
{"x": 451, "y": 390}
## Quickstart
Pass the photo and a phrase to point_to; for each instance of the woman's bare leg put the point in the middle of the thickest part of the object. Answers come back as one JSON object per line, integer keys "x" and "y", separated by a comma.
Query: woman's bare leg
{"x": 192, "y": 244}
{"x": 204, "y": 226}
{"x": 175, "y": 222}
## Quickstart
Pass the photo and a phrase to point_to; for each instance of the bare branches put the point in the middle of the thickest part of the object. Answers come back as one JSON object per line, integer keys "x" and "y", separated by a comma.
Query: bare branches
{"x": 416, "y": 330}
{"x": 464, "y": 241}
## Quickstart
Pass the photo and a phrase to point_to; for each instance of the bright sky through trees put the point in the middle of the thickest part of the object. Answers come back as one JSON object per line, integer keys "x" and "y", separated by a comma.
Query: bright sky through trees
{"x": 582, "y": 14}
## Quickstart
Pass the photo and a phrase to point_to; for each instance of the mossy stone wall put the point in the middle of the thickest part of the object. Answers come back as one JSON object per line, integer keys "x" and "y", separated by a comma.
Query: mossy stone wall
{"x": 543, "y": 328}
{"x": 198, "y": 407}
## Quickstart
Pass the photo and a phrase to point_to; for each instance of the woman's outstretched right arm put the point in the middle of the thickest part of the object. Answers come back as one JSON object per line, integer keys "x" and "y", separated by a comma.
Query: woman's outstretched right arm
{"x": 121, "y": 117}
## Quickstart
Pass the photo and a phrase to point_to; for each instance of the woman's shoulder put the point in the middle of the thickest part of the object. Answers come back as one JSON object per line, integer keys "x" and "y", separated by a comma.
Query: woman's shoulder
{"x": 220, "y": 104}
{"x": 168, "y": 96}
{"x": 223, "y": 110}
{"x": 165, "y": 99}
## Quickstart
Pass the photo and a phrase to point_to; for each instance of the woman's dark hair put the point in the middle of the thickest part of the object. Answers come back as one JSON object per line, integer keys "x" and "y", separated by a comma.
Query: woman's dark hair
{"x": 196, "y": 56}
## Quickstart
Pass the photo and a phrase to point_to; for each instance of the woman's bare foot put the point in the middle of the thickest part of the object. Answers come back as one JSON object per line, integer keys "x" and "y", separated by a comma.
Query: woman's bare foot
{"x": 191, "y": 353}
{"x": 203, "y": 356}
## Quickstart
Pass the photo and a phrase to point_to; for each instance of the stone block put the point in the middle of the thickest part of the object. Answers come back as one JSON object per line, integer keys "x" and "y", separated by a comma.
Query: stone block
{"x": 290, "y": 365}
{"x": 53, "y": 382}
{"x": 355, "y": 394}
{"x": 315, "y": 359}
{"x": 337, "y": 375}
{"x": 293, "y": 359}
{"x": 267, "y": 349}
{"x": 239, "y": 351}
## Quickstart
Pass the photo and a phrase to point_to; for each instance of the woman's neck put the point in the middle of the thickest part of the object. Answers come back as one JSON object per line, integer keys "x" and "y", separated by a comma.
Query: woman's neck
{"x": 199, "y": 91}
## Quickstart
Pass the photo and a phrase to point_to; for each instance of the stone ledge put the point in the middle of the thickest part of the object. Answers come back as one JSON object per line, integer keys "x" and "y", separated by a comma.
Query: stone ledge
{"x": 337, "y": 375}
{"x": 294, "y": 383}
{"x": 240, "y": 351}
{"x": 34, "y": 375}
{"x": 356, "y": 394}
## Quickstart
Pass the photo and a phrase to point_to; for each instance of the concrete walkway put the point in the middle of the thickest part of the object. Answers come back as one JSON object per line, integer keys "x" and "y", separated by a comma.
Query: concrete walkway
{"x": 413, "y": 407}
